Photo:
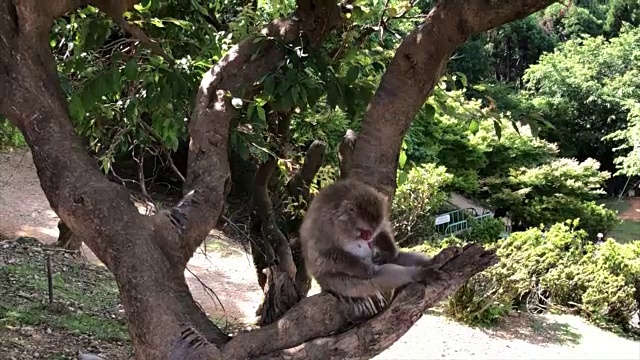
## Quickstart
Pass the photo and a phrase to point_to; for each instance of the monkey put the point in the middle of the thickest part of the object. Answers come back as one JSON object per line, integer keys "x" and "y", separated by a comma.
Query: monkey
{"x": 343, "y": 225}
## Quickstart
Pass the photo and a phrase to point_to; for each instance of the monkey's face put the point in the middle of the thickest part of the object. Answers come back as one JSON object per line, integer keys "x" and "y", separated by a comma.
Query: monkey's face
{"x": 354, "y": 224}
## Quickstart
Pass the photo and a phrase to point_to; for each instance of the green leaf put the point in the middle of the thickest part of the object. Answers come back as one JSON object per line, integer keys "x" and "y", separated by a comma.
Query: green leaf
{"x": 474, "y": 126}
{"x": 392, "y": 12}
{"x": 76, "y": 109}
{"x": 535, "y": 129}
{"x": 157, "y": 22}
{"x": 498, "y": 129}
{"x": 243, "y": 150}
{"x": 282, "y": 87}
{"x": 295, "y": 95}
{"x": 250, "y": 110}
{"x": 261, "y": 114}
{"x": 352, "y": 74}
{"x": 131, "y": 69}
{"x": 463, "y": 78}
{"x": 269, "y": 85}
{"x": 429, "y": 112}
{"x": 402, "y": 159}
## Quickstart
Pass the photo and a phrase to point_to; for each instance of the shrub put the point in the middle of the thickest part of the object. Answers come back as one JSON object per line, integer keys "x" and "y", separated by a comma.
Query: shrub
{"x": 419, "y": 194}
{"x": 561, "y": 190}
{"x": 562, "y": 267}
{"x": 485, "y": 231}
{"x": 10, "y": 137}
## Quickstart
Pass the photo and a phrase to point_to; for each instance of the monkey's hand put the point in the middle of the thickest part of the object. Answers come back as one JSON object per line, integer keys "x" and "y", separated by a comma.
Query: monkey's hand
{"x": 429, "y": 274}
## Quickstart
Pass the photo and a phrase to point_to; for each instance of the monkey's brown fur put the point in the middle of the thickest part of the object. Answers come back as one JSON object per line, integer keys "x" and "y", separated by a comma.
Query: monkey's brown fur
{"x": 337, "y": 255}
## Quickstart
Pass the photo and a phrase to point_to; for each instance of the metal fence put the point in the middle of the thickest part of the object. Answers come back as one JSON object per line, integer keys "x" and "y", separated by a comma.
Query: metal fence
{"x": 458, "y": 221}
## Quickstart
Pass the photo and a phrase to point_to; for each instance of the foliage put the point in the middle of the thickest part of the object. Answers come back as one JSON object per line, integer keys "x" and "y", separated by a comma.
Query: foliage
{"x": 443, "y": 136}
{"x": 559, "y": 268}
{"x": 628, "y": 161}
{"x": 484, "y": 231}
{"x": 10, "y": 137}
{"x": 572, "y": 22}
{"x": 585, "y": 88}
{"x": 503, "y": 53}
{"x": 420, "y": 193}
{"x": 561, "y": 190}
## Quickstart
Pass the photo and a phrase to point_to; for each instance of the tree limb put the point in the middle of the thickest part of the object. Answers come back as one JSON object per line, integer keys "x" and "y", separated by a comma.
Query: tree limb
{"x": 300, "y": 333}
{"x": 299, "y": 183}
{"x": 137, "y": 32}
{"x": 412, "y": 74}
{"x": 345, "y": 152}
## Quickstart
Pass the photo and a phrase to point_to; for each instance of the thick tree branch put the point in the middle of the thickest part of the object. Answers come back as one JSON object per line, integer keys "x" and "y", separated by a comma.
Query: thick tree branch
{"x": 301, "y": 340}
{"x": 345, "y": 152}
{"x": 299, "y": 183}
{"x": 413, "y": 73}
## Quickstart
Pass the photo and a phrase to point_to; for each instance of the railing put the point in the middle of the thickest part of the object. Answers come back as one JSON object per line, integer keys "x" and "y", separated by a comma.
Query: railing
{"x": 457, "y": 221}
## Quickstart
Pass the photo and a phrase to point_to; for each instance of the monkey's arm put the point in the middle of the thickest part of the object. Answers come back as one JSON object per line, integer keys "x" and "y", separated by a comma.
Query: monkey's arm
{"x": 386, "y": 245}
{"x": 389, "y": 252}
{"x": 348, "y": 275}
{"x": 385, "y": 278}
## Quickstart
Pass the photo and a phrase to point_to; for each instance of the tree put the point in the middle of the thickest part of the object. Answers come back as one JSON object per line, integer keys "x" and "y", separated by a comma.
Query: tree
{"x": 587, "y": 88}
{"x": 148, "y": 254}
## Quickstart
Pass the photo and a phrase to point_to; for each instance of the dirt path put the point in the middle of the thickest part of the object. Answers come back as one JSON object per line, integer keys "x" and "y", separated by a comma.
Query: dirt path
{"x": 633, "y": 212}
{"x": 227, "y": 269}
{"x": 464, "y": 203}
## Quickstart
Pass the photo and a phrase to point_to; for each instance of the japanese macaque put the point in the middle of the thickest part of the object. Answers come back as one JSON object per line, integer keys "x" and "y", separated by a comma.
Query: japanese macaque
{"x": 345, "y": 222}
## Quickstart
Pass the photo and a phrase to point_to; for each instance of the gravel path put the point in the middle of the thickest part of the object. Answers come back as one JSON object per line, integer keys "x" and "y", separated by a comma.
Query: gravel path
{"x": 227, "y": 269}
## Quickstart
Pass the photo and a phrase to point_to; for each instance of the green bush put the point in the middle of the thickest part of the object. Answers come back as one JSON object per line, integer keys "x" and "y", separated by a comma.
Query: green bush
{"x": 484, "y": 231}
{"x": 558, "y": 268}
{"x": 10, "y": 137}
{"x": 419, "y": 194}
{"x": 554, "y": 192}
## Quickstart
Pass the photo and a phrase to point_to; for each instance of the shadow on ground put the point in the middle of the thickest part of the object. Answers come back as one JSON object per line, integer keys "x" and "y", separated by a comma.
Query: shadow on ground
{"x": 535, "y": 329}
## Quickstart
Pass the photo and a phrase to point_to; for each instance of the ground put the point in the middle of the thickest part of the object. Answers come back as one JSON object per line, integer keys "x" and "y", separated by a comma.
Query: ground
{"x": 31, "y": 329}
{"x": 629, "y": 212}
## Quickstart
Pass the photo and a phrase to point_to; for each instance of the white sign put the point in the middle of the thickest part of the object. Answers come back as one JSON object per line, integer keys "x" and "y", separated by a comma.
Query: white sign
{"x": 443, "y": 219}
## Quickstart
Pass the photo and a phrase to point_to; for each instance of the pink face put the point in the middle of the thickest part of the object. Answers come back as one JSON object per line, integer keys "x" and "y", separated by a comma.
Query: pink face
{"x": 354, "y": 228}
{"x": 365, "y": 232}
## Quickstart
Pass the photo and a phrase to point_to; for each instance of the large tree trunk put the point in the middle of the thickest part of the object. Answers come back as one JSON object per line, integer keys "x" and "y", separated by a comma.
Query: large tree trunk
{"x": 148, "y": 254}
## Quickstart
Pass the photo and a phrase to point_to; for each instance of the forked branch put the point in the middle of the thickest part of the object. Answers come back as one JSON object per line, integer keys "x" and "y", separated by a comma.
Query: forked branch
{"x": 306, "y": 328}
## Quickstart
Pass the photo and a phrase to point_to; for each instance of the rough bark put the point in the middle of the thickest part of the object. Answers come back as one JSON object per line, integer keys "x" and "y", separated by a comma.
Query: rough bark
{"x": 99, "y": 211}
{"x": 280, "y": 292}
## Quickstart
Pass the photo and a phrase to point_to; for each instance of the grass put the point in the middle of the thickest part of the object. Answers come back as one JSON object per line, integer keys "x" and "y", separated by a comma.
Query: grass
{"x": 627, "y": 230}
{"x": 85, "y": 311}
{"x": 86, "y": 302}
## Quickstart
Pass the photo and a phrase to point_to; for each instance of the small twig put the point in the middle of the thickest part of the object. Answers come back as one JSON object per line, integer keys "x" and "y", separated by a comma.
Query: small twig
{"x": 49, "y": 279}
{"x": 174, "y": 168}
{"x": 212, "y": 294}
{"x": 140, "y": 35}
